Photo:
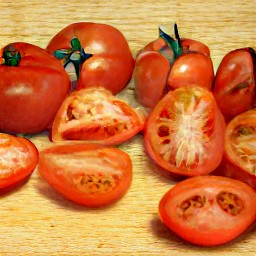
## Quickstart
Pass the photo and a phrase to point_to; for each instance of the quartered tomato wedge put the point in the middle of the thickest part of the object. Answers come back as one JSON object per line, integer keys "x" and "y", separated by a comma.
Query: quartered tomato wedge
{"x": 96, "y": 115}
{"x": 18, "y": 159}
{"x": 87, "y": 174}
{"x": 208, "y": 210}
{"x": 184, "y": 133}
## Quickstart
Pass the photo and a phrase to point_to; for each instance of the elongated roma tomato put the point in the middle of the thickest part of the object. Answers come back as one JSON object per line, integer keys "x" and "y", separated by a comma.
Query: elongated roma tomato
{"x": 208, "y": 210}
{"x": 99, "y": 54}
{"x": 95, "y": 115}
{"x": 18, "y": 159}
{"x": 88, "y": 174}
{"x": 184, "y": 133}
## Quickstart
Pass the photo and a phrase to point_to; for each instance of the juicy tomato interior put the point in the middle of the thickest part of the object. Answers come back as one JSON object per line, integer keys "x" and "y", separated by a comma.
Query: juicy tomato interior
{"x": 96, "y": 115}
{"x": 18, "y": 159}
{"x": 208, "y": 210}
{"x": 88, "y": 174}
{"x": 185, "y": 132}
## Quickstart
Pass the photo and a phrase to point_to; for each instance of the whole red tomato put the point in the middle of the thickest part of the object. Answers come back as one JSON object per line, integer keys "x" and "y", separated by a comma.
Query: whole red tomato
{"x": 99, "y": 53}
{"x": 184, "y": 133}
{"x": 234, "y": 86}
{"x": 33, "y": 85}
{"x": 208, "y": 210}
{"x": 166, "y": 64}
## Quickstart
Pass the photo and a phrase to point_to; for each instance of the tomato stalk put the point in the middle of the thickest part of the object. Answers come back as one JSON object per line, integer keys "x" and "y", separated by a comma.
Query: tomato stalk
{"x": 11, "y": 57}
{"x": 75, "y": 55}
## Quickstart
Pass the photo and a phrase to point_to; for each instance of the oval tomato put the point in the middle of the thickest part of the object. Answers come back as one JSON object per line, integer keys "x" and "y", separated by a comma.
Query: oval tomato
{"x": 96, "y": 115}
{"x": 88, "y": 174}
{"x": 33, "y": 85}
{"x": 184, "y": 133}
{"x": 99, "y": 53}
{"x": 18, "y": 159}
{"x": 208, "y": 210}
{"x": 234, "y": 87}
{"x": 239, "y": 160}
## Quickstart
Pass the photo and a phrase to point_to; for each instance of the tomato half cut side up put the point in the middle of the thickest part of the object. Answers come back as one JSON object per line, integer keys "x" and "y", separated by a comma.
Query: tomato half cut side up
{"x": 184, "y": 133}
{"x": 96, "y": 115}
{"x": 18, "y": 159}
{"x": 88, "y": 174}
{"x": 208, "y": 210}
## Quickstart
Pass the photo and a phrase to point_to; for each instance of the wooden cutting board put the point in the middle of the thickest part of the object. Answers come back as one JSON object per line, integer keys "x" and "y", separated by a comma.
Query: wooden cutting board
{"x": 34, "y": 219}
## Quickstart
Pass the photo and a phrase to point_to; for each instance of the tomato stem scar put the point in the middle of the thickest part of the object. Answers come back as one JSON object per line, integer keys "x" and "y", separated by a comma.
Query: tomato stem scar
{"x": 11, "y": 57}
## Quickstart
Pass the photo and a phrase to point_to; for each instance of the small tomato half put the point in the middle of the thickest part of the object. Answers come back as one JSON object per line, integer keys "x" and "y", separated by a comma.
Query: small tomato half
{"x": 87, "y": 174}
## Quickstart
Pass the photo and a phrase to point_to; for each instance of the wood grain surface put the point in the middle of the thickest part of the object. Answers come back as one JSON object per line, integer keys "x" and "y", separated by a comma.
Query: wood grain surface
{"x": 34, "y": 219}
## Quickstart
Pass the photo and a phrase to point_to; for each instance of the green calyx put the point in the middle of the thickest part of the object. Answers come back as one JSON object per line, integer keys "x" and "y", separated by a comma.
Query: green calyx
{"x": 11, "y": 57}
{"x": 74, "y": 55}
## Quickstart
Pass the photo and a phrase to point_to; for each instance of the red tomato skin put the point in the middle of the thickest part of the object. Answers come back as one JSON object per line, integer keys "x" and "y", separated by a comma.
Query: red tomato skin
{"x": 191, "y": 45}
{"x": 212, "y": 225}
{"x": 189, "y": 69}
{"x": 67, "y": 186}
{"x": 112, "y": 63}
{"x": 237, "y": 68}
{"x": 150, "y": 73}
{"x": 32, "y": 92}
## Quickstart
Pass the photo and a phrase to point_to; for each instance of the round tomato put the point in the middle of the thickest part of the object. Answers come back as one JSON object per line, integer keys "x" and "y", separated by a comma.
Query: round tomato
{"x": 167, "y": 63}
{"x": 33, "y": 85}
{"x": 239, "y": 161}
{"x": 99, "y": 53}
{"x": 95, "y": 115}
{"x": 234, "y": 86}
{"x": 184, "y": 133}
{"x": 208, "y": 210}
{"x": 88, "y": 174}
{"x": 18, "y": 159}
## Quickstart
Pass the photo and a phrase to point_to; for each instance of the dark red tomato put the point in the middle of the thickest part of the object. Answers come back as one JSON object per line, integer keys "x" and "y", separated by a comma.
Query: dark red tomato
{"x": 33, "y": 85}
{"x": 208, "y": 210}
{"x": 99, "y": 53}
{"x": 234, "y": 87}
{"x": 18, "y": 159}
{"x": 239, "y": 161}
{"x": 88, "y": 174}
{"x": 189, "y": 64}
{"x": 184, "y": 133}
{"x": 95, "y": 115}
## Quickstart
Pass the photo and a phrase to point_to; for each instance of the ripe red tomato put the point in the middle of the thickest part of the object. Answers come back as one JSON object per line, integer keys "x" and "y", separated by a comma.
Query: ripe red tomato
{"x": 32, "y": 87}
{"x": 208, "y": 210}
{"x": 239, "y": 160}
{"x": 99, "y": 52}
{"x": 166, "y": 64}
{"x": 18, "y": 159}
{"x": 234, "y": 87}
{"x": 184, "y": 133}
{"x": 95, "y": 115}
{"x": 88, "y": 174}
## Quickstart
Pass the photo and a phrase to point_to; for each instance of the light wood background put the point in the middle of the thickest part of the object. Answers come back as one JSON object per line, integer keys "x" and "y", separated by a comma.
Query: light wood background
{"x": 34, "y": 219}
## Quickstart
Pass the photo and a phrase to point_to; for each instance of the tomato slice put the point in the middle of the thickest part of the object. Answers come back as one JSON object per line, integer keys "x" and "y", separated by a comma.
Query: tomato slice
{"x": 208, "y": 210}
{"x": 87, "y": 174}
{"x": 18, "y": 159}
{"x": 184, "y": 133}
{"x": 96, "y": 115}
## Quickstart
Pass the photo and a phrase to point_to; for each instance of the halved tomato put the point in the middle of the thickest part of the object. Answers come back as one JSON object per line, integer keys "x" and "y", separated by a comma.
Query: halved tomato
{"x": 184, "y": 133}
{"x": 18, "y": 159}
{"x": 88, "y": 174}
{"x": 208, "y": 210}
{"x": 95, "y": 115}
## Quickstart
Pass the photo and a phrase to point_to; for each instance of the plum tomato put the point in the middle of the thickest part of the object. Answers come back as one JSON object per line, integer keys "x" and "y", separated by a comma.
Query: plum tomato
{"x": 239, "y": 160}
{"x": 234, "y": 86}
{"x": 87, "y": 174}
{"x": 96, "y": 115}
{"x": 98, "y": 54}
{"x": 208, "y": 210}
{"x": 189, "y": 63}
{"x": 184, "y": 133}
{"x": 18, "y": 159}
{"x": 33, "y": 85}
